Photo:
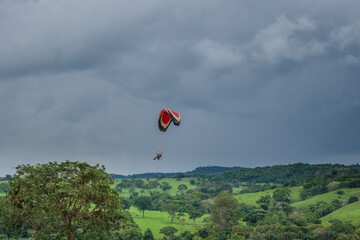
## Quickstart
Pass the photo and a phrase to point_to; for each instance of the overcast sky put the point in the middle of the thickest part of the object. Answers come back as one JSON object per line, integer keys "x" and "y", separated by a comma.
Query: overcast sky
{"x": 257, "y": 83}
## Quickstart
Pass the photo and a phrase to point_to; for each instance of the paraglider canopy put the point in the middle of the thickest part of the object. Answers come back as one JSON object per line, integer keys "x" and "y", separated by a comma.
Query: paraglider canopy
{"x": 167, "y": 116}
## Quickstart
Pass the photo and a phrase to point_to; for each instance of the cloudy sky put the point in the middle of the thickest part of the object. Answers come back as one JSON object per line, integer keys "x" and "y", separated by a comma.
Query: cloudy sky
{"x": 256, "y": 82}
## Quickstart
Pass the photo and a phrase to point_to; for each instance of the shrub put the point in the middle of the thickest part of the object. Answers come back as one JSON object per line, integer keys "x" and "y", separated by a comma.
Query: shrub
{"x": 353, "y": 199}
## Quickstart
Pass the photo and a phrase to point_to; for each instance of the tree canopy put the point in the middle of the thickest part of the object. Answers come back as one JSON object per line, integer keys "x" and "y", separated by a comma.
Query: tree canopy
{"x": 225, "y": 211}
{"x": 65, "y": 197}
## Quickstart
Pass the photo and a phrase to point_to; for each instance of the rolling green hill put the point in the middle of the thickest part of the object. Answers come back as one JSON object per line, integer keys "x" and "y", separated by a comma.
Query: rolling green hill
{"x": 329, "y": 197}
{"x": 251, "y": 198}
{"x": 350, "y": 212}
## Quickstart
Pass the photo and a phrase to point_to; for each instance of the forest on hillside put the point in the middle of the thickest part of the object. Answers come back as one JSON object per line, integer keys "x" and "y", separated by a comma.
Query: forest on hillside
{"x": 74, "y": 200}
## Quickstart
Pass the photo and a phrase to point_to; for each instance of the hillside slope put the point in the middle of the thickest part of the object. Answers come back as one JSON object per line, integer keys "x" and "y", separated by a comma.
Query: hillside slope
{"x": 251, "y": 198}
{"x": 350, "y": 212}
{"x": 329, "y": 197}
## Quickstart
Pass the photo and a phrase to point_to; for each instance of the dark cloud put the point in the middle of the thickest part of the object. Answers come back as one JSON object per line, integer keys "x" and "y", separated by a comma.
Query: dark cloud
{"x": 257, "y": 83}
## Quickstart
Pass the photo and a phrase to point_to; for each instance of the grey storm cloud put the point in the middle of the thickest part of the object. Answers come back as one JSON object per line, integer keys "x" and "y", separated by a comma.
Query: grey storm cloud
{"x": 257, "y": 83}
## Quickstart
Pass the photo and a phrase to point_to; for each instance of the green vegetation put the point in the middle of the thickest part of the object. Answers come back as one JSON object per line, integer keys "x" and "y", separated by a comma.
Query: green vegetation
{"x": 342, "y": 195}
{"x": 155, "y": 220}
{"x": 225, "y": 211}
{"x": 251, "y": 198}
{"x": 145, "y": 189}
{"x": 58, "y": 199}
{"x": 298, "y": 201}
{"x": 349, "y": 213}
{"x": 4, "y": 188}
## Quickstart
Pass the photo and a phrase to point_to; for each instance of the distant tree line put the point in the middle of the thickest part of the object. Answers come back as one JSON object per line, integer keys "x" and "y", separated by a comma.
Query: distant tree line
{"x": 319, "y": 184}
{"x": 292, "y": 174}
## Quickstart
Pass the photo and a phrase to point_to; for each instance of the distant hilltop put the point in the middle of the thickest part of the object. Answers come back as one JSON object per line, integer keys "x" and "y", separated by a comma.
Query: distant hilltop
{"x": 213, "y": 169}
{"x": 199, "y": 170}
{"x": 291, "y": 169}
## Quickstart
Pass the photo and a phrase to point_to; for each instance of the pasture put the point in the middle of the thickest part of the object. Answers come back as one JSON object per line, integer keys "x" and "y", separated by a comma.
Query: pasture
{"x": 329, "y": 197}
{"x": 155, "y": 220}
{"x": 251, "y": 198}
{"x": 350, "y": 212}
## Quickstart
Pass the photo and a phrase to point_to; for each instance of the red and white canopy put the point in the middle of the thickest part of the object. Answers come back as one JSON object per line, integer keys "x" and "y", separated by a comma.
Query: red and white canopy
{"x": 167, "y": 116}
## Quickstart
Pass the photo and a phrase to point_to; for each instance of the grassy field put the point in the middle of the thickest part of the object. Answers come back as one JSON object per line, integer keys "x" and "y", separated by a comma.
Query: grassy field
{"x": 329, "y": 197}
{"x": 237, "y": 189}
{"x": 350, "y": 212}
{"x": 155, "y": 220}
{"x": 251, "y": 198}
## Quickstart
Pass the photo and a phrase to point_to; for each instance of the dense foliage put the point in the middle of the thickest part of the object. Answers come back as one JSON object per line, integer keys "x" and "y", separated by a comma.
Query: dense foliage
{"x": 69, "y": 199}
{"x": 293, "y": 174}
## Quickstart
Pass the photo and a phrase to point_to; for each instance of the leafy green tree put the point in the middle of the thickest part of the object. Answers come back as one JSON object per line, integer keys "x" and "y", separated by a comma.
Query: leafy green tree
{"x": 148, "y": 235}
{"x": 65, "y": 197}
{"x": 182, "y": 187}
{"x": 225, "y": 211}
{"x": 195, "y": 213}
{"x": 152, "y": 184}
{"x": 282, "y": 194}
{"x": 139, "y": 183}
{"x": 322, "y": 208}
{"x": 338, "y": 226}
{"x": 358, "y": 231}
{"x": 203, "y": 233}
{"x": 187, "y": 235}
{"x": 129, "y": 233}
{"x": 126, "y": 204}
{"x": 143, "y": 203}
{"x": 172, "y": 208}
{"x": 126, "y": 230}
{"x": 353, "y": 199}
{"x": 298, "y": 219}
{"x": 340, "y": 192}
{"x": 334, "y": 186}
{"x": 119, "y": 188}
{"x": 165, "y": 186}
{"x": 225, "y": 187}
{"x": 132, "y": 189}
{"x": 254, "y": 215}
{"x": 125, "y": 183}
{"x": 10, "y": 224}
{"x": 168, "y": 231}
{"x": 264, "y": 202}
